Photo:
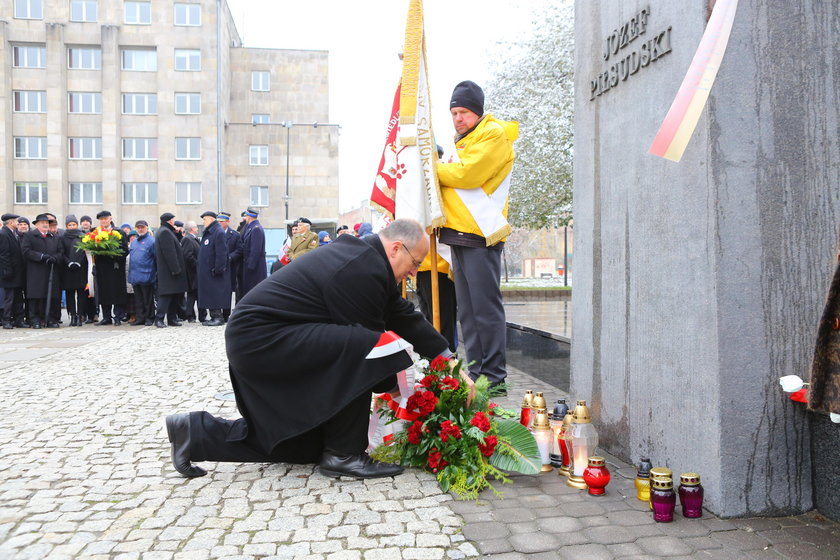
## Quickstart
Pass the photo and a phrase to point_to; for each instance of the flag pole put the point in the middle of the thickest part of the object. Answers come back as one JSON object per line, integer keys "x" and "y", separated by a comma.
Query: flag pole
{"x": 434, "y": 273}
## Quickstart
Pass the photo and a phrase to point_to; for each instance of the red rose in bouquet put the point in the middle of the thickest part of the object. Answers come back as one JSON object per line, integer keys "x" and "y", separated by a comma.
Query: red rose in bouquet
{"x": 481, "y": 421}
{"x": 449, "y": 429}
{"x": 449, "y": 383}
{"x": 423, "y": 401}
{"x": 489, "y": 446}
{"x": 435, "y": 461}
{"x": 439, "y": 364}
{"x": 414, "y": 432}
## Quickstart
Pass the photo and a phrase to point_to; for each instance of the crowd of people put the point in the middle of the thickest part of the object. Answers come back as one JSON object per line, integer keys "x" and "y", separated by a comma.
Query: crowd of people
{"x": 160, "y": 277}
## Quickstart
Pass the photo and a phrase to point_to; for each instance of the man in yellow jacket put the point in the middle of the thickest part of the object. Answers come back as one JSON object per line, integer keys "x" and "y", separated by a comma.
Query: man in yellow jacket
{"x": 475, "y": 202}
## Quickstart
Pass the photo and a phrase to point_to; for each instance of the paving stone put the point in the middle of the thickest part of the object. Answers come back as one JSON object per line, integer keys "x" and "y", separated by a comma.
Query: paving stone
{"x": 485, "y": 531}
{"x": 740, "y": 540}
{"x": 383, "y": 554}
{"x": 534, "y": 542}
{"x": 493, "y": 546}
{"x": 664, "y": 546}
{"x": 624, "y": 550}
{"x": 588, "y": 551}
{"x": 609, "y": 535}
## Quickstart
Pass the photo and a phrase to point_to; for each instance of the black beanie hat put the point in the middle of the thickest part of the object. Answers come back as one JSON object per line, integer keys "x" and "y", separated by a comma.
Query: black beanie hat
{"x": 468, "y": 95}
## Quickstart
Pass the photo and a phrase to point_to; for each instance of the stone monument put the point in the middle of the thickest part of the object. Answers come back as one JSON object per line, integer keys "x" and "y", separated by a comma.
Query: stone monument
{"x": 699, "y": 283}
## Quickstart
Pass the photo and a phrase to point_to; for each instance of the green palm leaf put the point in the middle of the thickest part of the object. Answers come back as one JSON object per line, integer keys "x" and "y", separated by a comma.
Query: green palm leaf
{"x": 518, "y": 450}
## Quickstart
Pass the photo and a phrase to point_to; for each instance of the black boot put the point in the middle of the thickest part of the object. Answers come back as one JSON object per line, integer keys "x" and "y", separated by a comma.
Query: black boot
{"x": 178, "y": 430}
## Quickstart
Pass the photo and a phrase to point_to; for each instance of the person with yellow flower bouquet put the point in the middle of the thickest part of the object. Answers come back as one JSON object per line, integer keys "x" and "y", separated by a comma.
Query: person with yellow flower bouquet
{"x": 108, "y": 248}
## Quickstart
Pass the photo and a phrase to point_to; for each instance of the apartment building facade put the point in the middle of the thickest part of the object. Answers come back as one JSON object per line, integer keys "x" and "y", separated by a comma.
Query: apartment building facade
{"x": 145, "y": 107}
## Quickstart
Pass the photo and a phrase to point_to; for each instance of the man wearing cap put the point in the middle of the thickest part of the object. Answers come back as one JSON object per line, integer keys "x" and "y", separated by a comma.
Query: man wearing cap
{"x": 213, "y": 271}
{"x": 12, "y": 273}
{"x": 74, "y": 273}
{"x": 253, "y": 252}
{"x": 190, "y": 246}
{"x": 342, "y": 230}
{"x": 110, "y": 276}
{"x": 234, "y": 245}
{"x": 42, "y": 252}
{"x": 474, "y": 190}
{"x": 142, "y": 273}
{"x": 171, "y": 271}
{"x": 304, "y": 240}
{"x": 299, "y": 348}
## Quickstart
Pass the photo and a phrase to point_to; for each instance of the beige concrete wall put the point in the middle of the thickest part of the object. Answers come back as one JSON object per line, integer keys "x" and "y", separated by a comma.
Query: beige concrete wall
{"x": 299, "y": 93}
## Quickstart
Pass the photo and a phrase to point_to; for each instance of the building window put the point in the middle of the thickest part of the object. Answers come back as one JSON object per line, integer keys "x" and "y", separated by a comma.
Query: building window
{"x": 138, "y": 13}
{"x": 139, "y": 193}
{"x": 88, "y": 58}
{"x": 30, "y": 147}
{"x": 30, "y": 101}
{"x": 259, "y": 196}
{"x": 188, "y": 60}
{"x": 83, "y": 10}
{"x": 258, "y": 155}
{"x": 260, "y": 118}
{"x": 187, "y": 14}
{"x": 260, "y": 81}
{"x": 84, "y": 102}
{"x": 84, "y": 148}
{"x": 31, "y": 193}
{"x": 187, "y": 103}
{"x": 139, "y": 60}
{"x": 187, "y": 193}
{"x": 139, "y": 148}
{"x": 29, "y": 56}
{"x": 139, "y": 103}
{"x": 29, "y": 9}
{"x": 187, "y": 148}
{"x": 85, "y": 193}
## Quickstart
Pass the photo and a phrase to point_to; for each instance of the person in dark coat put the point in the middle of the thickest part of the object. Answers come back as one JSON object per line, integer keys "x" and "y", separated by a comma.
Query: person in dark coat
{"x": 298, "y": 345}
{"x": 171, "y": 271}
{"x": 12, "y": 273}
{"x": 42, "y": 251}
{"x": 89, "y": 312}
{"x": 111, "y": 289}
{"x": 234, "y": 244}
{"x": 213, "y": 271}
{"x": 74, "y": 272}
{"x": 142, "y": 273}
{"x": 189, "y": 244}
{"x": 253, "y": 252}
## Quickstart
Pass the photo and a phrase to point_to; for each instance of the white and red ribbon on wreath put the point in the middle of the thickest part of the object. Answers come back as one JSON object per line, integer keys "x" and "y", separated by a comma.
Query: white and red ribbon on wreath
{"x": 378, "y": 431}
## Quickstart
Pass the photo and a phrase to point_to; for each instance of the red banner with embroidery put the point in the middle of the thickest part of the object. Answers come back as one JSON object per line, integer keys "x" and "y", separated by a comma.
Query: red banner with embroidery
{"x": 384, "y": 193}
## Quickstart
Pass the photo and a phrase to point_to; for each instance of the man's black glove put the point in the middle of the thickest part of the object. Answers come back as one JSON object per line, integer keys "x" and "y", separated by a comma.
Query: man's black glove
{"x": 50, "y": 259}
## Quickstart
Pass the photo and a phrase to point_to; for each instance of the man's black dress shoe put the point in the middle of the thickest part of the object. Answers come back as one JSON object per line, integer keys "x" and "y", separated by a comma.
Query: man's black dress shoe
{"x": 36, "y": 325}
{"x": 150, "y": 322}
{"x": 175, "y": 323}
{"x": 117, "y": 322}
{"x": 178, "y": 430}
{"x": 214, "y": 323}
{"x": 160, "y": 324}
{"x": 105, "y": 322}
{"x": 359, "y": 466}
{"x": 8, "y": 326}
{"x": 137, "y": 323}
{"x": 52, "y": 325}
{"x": 23, "y": 325}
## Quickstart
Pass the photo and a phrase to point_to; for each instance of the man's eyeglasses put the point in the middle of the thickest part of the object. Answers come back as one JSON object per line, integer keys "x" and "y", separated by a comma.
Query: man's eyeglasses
{"x": 414, "y": 261}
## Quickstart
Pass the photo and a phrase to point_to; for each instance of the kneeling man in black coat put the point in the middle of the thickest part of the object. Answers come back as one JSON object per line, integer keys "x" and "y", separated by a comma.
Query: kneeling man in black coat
{"x": 297, "y": 346}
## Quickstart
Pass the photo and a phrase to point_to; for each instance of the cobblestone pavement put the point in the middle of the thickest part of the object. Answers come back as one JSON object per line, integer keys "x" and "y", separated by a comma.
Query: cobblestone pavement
{"x": 85, "y": 473}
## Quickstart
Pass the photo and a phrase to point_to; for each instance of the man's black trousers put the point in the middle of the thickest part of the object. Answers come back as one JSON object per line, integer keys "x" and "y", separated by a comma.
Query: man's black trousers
{"x": 346, "y": 433}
